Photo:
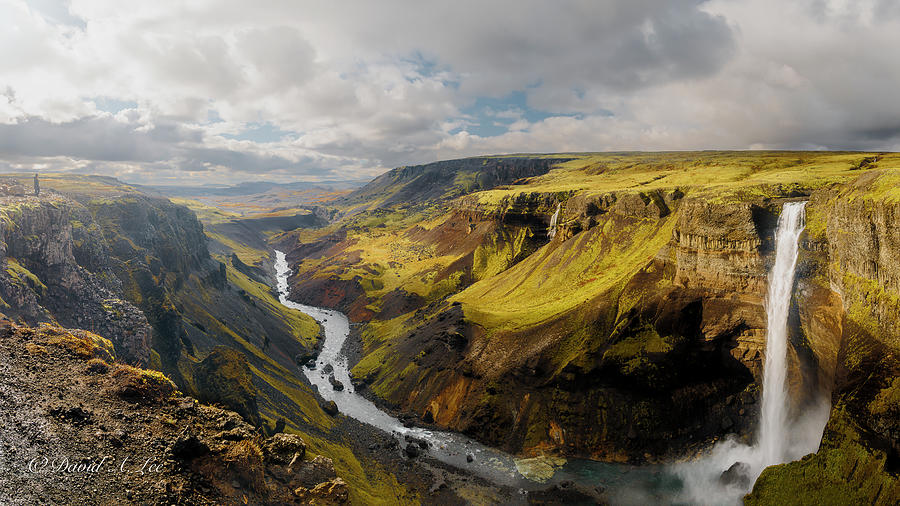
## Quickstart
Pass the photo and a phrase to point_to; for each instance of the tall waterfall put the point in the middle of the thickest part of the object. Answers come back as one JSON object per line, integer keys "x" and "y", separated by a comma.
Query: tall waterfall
{"x": 551, "y": 233}
{"x": 780, "y": 438}
{"x": 773, "y": 431}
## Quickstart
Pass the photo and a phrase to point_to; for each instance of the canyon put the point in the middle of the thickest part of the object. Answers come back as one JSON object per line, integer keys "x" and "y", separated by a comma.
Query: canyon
{"x": 564, "y": 308}
{"x": 637, "y": 332}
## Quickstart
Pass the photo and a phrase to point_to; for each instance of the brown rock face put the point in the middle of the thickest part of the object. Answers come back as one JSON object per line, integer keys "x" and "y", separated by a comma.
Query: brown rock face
{"x": 720, "y": 253}
{"x": 57, "y": 269}
{"x": 721, "y": 247}
{"x": 864, "y": 245}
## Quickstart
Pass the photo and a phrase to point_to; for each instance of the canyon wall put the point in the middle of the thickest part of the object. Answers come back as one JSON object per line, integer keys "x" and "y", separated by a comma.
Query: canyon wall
{"x": 137, "y": 270}
{"x": 860, "y": 456}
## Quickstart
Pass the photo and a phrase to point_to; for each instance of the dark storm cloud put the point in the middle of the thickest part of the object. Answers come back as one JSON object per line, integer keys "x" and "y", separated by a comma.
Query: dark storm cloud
{"x": 105, "y": 139}
{"x": 91, "y": 138}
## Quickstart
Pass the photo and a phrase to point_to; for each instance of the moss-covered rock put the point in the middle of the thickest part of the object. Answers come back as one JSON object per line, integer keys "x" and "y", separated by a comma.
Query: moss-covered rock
{"x": 847, "y": 469}
{"x": 224, "y": 377}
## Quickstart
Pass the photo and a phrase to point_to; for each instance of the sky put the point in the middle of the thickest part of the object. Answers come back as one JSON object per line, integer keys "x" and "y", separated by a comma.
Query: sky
{"x": 228, "y": 91}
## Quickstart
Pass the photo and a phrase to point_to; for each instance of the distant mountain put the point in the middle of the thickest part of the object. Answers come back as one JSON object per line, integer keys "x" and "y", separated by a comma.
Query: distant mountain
{"x": 248, "y": 188}
{"x": 448, "y": 179}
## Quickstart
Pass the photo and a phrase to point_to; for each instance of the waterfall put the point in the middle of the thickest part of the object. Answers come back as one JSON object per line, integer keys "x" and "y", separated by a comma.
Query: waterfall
{"x": 553, "y": 220}
{"x": 780, "y": 438}
{"x": 773, "y": 430}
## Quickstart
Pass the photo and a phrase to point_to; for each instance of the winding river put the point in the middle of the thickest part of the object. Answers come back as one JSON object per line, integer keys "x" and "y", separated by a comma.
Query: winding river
{"x": 627, "y": 484}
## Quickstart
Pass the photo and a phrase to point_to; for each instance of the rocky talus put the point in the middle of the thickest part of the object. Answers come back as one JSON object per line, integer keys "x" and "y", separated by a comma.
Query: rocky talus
{"x": 82, "y": 427}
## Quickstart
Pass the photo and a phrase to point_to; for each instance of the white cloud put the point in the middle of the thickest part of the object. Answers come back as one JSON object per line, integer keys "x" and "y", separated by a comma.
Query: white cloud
{"x": 362, "y": 86}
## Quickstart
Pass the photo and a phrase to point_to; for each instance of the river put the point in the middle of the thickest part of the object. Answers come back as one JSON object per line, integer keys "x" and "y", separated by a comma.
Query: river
{"x": 623, "y": 484}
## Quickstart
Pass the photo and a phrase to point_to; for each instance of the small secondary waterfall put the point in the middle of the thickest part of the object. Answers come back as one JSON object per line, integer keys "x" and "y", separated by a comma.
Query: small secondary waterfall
{"x": 551, "y": 233}
{"x": 780, "y": 438}
{"x": 773, "y": 431}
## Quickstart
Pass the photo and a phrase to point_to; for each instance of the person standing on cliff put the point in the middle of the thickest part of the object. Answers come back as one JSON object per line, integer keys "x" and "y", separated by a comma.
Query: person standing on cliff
{"x": 37, "y": 186}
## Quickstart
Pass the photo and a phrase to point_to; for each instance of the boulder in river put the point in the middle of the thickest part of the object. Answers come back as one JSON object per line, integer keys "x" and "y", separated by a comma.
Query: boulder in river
{"x": 423, "y": 444}
{"x": 412, "y": 451}
{"x": 328, "y": 369}
{"x": 335, "y": 383}
{"x": 330, "y": 407}
{"x": 738, "y": 474}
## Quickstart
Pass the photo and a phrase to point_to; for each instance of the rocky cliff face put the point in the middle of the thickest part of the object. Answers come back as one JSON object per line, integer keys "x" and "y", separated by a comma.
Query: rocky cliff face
{"x": 57, "y": 269}
{"x": 851, "y": 294}
{"x": 137, "y": 269}
{"x": 720, "y": 256}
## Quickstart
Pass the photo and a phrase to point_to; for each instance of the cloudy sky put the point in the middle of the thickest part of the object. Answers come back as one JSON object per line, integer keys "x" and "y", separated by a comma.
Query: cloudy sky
{"x": 226, "y": 91}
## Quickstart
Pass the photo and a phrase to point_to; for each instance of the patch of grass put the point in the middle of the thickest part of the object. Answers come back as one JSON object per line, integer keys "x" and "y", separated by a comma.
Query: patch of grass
{"x": 302, "y": 406}
{"x": 631, "y": 353}
{"x": 887, "y": 402}
{"x": 247, "y": 254}
{"x": 81, "y": 343}
{"x": 493, "y": 258}
{"x": 718, "y": 176}
{"x": 141, "y": 385}
{"x": 23, "y": 276}
{"x": 843, "y": 471}
{"x": 560, "y": 277}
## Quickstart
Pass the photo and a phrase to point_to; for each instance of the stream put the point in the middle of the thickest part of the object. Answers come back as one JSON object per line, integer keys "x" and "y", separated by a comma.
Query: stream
{"x": 623, "y": 484}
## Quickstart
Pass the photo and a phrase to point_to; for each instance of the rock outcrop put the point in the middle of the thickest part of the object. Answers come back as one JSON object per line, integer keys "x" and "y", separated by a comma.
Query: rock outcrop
{"x": 125, "y": 435}
{"x": 56, "y": 269}
{"x": 224, "y": 377}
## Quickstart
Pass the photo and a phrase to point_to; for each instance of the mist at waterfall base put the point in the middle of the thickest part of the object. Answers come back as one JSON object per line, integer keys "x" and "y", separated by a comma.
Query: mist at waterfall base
{"x": 784, "y": 435}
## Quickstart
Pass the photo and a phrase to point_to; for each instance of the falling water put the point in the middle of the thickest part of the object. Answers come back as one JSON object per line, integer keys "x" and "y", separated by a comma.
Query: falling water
{"x": 553, "y": 221}
{"x": 773, "y": 430}
{"x": 780, "y": 438}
